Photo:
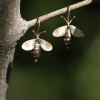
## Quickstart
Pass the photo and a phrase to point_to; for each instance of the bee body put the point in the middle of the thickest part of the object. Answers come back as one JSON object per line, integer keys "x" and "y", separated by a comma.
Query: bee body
{"x": 68, "y": 37}
{"x": 36, "y": 50}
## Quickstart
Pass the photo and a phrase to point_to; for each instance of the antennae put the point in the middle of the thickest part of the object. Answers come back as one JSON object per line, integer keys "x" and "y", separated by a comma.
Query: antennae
{"x": 38, "y": 22}
{"x": 68, "y": 14}
{"x": 71, "y": 19}
{"x": 42, "y": 32}
{"x": 65, "y": 20}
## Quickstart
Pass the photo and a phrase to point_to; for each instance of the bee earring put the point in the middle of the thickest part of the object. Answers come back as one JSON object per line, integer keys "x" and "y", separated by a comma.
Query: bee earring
{"x": 68, "y": 31}
{"x": 36, "y": 44}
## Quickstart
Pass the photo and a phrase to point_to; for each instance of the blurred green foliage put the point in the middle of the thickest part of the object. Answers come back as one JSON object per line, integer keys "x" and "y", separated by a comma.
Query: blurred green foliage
{"x": 60, "y": 74}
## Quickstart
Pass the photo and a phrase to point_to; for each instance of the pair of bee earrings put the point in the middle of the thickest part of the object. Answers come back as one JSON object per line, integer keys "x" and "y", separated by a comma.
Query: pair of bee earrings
{"x": 68, "y": 31}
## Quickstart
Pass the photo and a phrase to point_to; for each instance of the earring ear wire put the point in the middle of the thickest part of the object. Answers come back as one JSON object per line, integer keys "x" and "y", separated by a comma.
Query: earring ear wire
{"x": 71, "y": 20}
{"x": 38, "y": 22}
{"x": 68, "y": 14}
{"x": 65, "y": 20}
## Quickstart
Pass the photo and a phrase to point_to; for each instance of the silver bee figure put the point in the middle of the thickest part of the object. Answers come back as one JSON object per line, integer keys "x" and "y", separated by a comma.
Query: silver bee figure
{"x": 68, "y": 31}
{"x": 36, "y": 44}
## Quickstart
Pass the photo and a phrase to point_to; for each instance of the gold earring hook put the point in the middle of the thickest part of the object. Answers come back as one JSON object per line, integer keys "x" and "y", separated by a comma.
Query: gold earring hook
{"x": 38, "y": 22}
{"x": 68, "y": 21}
{"x": 37, "y": 34}
{"x": 68, "y": 14}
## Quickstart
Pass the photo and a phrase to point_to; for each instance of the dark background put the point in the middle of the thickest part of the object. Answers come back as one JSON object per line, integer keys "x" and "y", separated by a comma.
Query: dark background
{"x": 60, "y": 74}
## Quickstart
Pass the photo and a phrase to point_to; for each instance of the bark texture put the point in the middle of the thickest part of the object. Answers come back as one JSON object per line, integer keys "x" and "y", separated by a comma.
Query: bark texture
{"x": 12, "y": 27}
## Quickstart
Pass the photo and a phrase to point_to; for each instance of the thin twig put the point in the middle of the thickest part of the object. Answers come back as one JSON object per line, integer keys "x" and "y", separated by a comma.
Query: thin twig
{"x": 60, "y": 11}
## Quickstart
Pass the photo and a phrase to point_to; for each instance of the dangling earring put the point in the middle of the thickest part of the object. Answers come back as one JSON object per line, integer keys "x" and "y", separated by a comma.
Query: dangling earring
{"x": 68, "y": 31}
{"x": 36, "y": 44}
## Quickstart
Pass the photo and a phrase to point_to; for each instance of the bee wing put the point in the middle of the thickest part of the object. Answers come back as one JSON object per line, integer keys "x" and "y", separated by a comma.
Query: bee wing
{"x": 28, "y": 45}
{"x": 59, "y": 31}
{"x": 76, "y": 32}
{"x": 45, "y": 45}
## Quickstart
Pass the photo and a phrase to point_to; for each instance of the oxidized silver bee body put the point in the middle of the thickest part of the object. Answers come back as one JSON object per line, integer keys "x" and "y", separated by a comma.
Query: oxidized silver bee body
{"x": 68, "y": 37}
{"x": 36, "y": 50}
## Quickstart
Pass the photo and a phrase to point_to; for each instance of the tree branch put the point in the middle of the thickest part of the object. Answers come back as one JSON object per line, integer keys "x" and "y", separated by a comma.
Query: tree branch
{"x": 60, "y": 11}
{"x": 11, "y": 24}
